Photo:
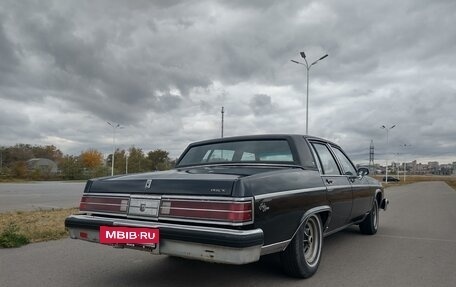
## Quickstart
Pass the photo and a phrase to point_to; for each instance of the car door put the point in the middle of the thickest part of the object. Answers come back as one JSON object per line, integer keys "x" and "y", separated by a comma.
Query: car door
{"x": 339, "y": 190}
{"x": 362, "y": 195}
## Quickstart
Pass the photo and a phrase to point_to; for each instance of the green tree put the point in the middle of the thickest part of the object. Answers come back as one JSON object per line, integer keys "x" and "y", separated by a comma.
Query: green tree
{"x": 19, "y": 169}
{"x": 71, "y": 168}
{"x": 136, "y": 160}
{"x": 159, "y": 160}
{"x": 48, "y": 151}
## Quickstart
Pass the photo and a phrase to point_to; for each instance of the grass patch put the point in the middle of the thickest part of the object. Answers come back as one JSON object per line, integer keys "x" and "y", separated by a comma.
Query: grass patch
{"x": 10, "y": 237}
{"x": 34, "y": 226}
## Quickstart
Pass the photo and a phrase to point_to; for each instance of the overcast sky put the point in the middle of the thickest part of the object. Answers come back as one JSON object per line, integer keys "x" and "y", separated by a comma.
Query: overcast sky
{"x": 163, "y": 69}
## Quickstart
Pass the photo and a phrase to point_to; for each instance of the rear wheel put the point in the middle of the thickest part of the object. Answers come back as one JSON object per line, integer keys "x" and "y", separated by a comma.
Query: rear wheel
{"x": 302, "y": 256}
{"x": 370, "y": 223}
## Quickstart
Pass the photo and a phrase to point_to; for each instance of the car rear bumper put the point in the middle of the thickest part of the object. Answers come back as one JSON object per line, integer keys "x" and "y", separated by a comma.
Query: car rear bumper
{"x": 384, "y": 203}
{"x": 195, "y": 242}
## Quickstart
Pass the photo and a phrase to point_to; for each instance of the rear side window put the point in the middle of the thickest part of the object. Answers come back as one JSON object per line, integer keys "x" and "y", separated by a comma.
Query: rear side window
{"x": 348, "y": 167}
{"x": 328, "y": 163}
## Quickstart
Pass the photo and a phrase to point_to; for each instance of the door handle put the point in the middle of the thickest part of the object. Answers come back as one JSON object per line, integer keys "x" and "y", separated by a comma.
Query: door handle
{"x": 328, "y": 181}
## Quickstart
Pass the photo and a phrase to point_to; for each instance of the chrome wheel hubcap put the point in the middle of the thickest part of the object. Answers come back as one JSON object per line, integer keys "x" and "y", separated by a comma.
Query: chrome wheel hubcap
{"x": 311, "y": 240}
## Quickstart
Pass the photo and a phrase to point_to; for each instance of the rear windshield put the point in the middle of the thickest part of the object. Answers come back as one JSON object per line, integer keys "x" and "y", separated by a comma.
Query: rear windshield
{"x": 253, "y": 151}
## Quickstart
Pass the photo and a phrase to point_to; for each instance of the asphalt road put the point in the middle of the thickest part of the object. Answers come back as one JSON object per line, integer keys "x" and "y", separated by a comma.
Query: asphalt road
{"x": 40, "y": 195}
{"x": 415, "y": 246}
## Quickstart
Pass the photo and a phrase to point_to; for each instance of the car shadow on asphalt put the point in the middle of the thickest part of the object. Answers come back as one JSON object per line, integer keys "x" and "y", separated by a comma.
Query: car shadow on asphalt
{"x": 174, "y": 271}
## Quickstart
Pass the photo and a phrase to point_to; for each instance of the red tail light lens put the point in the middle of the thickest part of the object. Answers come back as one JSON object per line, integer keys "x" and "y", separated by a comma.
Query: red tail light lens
{"x": 104, "y": 204}
{"x": 222, "y": 211}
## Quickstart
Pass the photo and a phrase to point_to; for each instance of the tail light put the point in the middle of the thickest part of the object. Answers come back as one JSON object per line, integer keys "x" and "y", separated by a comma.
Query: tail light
{"x": 231, "y": 212}
{"x": 104, "y": 204}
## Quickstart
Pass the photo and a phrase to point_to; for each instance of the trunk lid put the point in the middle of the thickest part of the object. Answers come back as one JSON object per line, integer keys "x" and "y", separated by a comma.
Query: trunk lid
{"x": 208, "y": 181}
{"x": 176, "y": 182}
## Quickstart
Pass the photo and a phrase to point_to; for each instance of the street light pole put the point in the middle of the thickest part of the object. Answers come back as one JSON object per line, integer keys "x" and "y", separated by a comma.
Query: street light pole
{"x": 303, "y": 55}
{"x": 126, "y": 162}
{"x": 114, "y": 127}
{"x": 405, "y": 163}
{"x": 387, "y": 142}
{"x": 223, "y": 119}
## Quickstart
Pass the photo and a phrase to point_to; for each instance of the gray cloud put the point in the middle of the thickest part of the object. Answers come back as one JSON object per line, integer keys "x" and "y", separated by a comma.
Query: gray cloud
{"x": 163, "y": 69}
{"x": 261, "y": 104}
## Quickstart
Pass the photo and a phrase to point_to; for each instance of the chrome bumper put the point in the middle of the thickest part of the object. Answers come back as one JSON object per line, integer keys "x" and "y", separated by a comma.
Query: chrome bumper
{"x": 211, "y": 244}
{"x": 384, "y": 204}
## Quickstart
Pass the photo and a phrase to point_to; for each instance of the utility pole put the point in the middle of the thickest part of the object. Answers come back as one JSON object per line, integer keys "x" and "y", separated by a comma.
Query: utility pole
{"x": 371, "y": 158}
{"x": 223, "y": 116}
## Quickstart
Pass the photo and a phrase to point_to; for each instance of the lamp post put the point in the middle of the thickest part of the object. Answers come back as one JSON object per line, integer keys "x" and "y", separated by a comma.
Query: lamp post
{"x": 405, "y": 164}
{"x": 387, "y": 142}
{"x": 126, "y": 162}
{"x": 114, "y": 127}
{"x": 223, "y": 119}
{"x": 303, "y": 55}
{"x": 1, "y": 158}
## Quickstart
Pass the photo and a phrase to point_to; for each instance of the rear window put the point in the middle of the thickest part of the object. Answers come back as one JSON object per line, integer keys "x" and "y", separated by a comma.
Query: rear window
{"x": 259, "y": 151}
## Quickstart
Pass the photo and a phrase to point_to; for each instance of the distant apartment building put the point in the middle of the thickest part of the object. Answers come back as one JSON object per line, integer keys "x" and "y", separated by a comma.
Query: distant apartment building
{"x": 433, "y": 167}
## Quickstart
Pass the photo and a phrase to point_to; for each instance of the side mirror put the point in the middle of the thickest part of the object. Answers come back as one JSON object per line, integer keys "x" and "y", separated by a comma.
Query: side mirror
{"x": 362, "y": 172}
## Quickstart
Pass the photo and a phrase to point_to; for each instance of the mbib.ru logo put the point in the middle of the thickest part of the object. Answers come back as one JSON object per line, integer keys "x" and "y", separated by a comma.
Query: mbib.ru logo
{"x": 128, "y": 235}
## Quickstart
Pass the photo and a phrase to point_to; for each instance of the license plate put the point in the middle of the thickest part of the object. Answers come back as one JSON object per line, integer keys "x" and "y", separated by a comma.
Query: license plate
{"x": 129, "y": 235}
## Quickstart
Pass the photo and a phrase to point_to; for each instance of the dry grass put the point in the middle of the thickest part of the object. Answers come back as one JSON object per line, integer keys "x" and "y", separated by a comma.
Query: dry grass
{"x": 450, "y": 180}
{"x": 41, "y": 225}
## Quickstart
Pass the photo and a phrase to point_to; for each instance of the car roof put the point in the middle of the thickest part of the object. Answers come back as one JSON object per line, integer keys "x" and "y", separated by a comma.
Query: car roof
{"x": 260, "y": 137}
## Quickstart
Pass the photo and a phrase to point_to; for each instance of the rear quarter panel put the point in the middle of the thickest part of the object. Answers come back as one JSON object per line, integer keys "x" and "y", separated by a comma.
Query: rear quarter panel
{"x": 281, "y": 200}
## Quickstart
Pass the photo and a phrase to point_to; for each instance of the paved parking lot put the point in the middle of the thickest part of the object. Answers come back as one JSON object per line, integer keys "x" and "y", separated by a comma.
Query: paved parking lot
{"x": 415, "y": 246}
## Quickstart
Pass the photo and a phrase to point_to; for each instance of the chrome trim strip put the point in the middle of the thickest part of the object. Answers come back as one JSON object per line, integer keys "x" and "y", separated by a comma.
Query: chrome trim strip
{"x": 339, "y": 186}
{"x": 208, "y": 198}
{"x": 275, "y": 247}
{"x": 325, "y": 234}
{"x": 116, "y": 195}
{"x": 90, "y": 212}
{"x": 210, "y": 210}
{"x": 99, "y": 203}
{"x": 136, "y": 223}
{"x": 288, "y": 192}
{"x": 314, "y": 210}
{"x": 226, "y": 223}
{"x": 140, "y": 196}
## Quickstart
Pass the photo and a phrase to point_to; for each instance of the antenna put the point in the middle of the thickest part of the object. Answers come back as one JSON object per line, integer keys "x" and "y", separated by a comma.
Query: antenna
{"x": 223, "y": 115}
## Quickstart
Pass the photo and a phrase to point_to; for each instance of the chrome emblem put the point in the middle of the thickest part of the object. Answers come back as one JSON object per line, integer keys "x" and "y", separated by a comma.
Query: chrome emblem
{"x": 148, "y": 183}
{"x": 217, "y": 190}
{"x": 263, "y": 207}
